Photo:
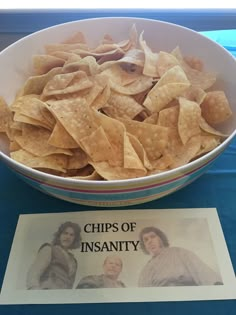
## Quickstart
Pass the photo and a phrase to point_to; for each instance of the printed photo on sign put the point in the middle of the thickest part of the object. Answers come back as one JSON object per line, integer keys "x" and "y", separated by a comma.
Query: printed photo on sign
{"x": 145, "y": 255}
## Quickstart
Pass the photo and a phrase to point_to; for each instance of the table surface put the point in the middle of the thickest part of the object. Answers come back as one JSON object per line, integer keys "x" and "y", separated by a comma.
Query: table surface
{"x": 216, "y": 188}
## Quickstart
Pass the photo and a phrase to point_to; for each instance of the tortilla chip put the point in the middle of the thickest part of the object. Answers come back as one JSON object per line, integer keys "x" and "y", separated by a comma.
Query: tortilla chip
{"x": 119, "y": 75}
{"x": 117, "y": 172}
{"x": 98, "y": 94}
{"x": 195, "y": 94}
{"x": 56, "y": 162}
{"x": 141, "y": 116}
{"x": 188, "y": 152}
{"x": 210, "y": 130}
{"x": 67, "y": 83}
{"x": 87, "y": 64}
{"x": 203, "y": 80}
{"x": 131, "y": 62}
{"x": 49, "y": 118}
{"x": 153, "y": 138}
{"x": 123, "y": 106}
{"x": 113, "y": 54}
{"x": 67, "y": 56}
{"x": 215, "y": 107}
{"x": 5, "y": 116}
{"x": 78, "y": 160}
{"x": 101, "y": 100}
{"x": 131, "y": 158}
{"x": 109, "y": 47}
{"x": 14, "y": 146}
{"x": 152, "y": 119}
{"x": 182, "y": 153}
{"x": 194, "y": 62}
{"x": 60, "y": 138}
{"x": 139, "y": 149}
{"x": 163, "y": 162}
{"x": 168, "y": 117}
{"x": 28, "y": 142}
{"x": 189, "y": 119}
{"x": 17, "y": 104}
{"x": 114, "y": 130}
{"x": 165, "y": 62}
{"x": 15, "y": 128}
{"x": 85, "y": 175}
{"x": 75, "y": 116}
{"x": 133, "y": 57}
{"x": 31, "y": 107}
{"x": 44, "y": 63}
{"x": 18, "y": 117}
{"x": 142, "y": 84}
{"x": 133, "y": 37}
{"x": 208, "y": 143}
{"x": 98, "y": 147}
{"x": 36, "y": 84}
{"x": 150, "y": 63}
{"x": 124, "y": 44}
{"x": 172, "y": 84}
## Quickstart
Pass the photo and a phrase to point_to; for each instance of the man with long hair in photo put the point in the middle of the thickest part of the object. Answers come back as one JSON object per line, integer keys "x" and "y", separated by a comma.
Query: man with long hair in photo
{"x": 55, "y": 266}
{"x": 171, "y": 266}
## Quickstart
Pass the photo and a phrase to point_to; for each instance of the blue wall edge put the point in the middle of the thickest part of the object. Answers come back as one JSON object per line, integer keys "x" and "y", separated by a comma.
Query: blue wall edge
{"x": 28, "y": 21}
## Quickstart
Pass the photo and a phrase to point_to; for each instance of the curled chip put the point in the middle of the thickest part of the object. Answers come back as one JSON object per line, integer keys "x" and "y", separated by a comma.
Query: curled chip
{"x": 35, "y": 84}
{"x": 115, "y": 111}
{"x": 142, "y": 84}
{"x": 171, "y": 85}
{"x": 151, "y": 58}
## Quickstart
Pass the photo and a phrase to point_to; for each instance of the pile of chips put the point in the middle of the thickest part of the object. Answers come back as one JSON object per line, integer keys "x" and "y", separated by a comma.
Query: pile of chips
{"x": 115, "y": 111}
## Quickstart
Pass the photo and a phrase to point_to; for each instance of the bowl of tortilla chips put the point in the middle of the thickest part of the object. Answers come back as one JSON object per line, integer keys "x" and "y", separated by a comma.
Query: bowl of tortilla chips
{"x": 115, "y": 111}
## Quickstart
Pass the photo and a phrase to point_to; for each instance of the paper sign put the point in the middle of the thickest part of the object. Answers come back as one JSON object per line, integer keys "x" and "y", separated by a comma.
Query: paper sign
{"x": 118, "y": 256}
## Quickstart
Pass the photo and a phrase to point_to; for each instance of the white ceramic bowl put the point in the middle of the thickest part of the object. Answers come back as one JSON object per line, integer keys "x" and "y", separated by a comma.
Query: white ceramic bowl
{"x": 15, "y": 65}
